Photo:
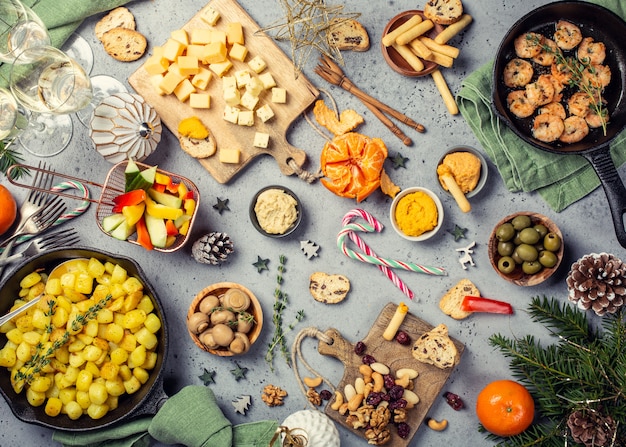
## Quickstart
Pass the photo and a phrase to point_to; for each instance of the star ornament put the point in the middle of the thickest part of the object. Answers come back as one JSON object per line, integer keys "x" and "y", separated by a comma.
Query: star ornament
{"x": 399, "y": 161}
{"x": 239, "y": 372}
{"x": 221, "y": 205}
{"x": 458, "y": 232}
{"x": 261, "y": 264}
{"x": 207, "y": 377}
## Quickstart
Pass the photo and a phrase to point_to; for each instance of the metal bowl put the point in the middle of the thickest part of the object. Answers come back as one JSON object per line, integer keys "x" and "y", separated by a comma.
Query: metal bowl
{"x": 255, "y": 221}
{"x": 143, "y": 402}
{"x": 484, "y": 168}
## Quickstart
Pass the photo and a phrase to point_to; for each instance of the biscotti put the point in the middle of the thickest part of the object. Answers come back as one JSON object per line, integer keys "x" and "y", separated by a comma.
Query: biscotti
{"x": 348, "y": 34}
{"x": 123, "y": 44}
{"x": 443, "y": 12}
{"x": 329, "y": 289}
{"x": 436, "y": 348}
{"x": 450, "y": 303}
{"x": 119, "y": 17}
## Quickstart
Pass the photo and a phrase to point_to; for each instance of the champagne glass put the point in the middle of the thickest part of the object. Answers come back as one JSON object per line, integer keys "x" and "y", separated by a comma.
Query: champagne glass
{"x": 8, "y": 114}
{"x": 20, "y": 28}
{"x": 48, "y": 82}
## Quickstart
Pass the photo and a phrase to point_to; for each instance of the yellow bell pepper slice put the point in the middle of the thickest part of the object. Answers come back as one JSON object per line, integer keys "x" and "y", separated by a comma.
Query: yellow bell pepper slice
{"x": 161, "y": 211}
{"x": 132, "y": 213}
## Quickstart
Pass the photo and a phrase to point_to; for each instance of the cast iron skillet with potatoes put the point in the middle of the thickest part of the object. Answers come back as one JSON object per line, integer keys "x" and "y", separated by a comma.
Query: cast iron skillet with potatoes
{"x": 145, "y": 401}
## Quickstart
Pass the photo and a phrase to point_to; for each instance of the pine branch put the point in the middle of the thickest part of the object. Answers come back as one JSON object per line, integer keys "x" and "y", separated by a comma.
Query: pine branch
{"x": 562, "y": 320}
{"x": 10, "y": 157}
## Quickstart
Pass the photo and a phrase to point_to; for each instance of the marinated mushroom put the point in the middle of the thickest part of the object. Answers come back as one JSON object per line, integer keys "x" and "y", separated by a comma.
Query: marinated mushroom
{"x": 198, "y": 322}
{"x": 222, "y": 334}
{"x": 236, "y": 299}
{"x": 245, "y": 322}
{"x": 206, "y": 338}
{"x": 240, "y": 344}
{"x": 222, "y": 316}
{"x": 208, "y": 303}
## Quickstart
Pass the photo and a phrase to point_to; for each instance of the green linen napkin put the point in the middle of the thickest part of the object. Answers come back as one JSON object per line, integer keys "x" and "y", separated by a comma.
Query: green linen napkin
{"x": 559, "y": 179}
{"x": 191, "y": 417}
{"x": 62, "y": 17}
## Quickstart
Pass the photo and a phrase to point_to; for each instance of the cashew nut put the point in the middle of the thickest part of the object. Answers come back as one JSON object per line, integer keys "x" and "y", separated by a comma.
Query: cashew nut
{"x": 367, "y": 389}
{"x": 403, "y": 381}
{"x": 355, "y": 402}
{"x": 407, "y": 371}
{"x": 343, "y": 409}
{"x": 437, "y": 425}
{"x": 366, "y": 371}
{"x": 338, "y": 401}
{"x": 312, "y": 382}
{"x": 379, "y": 381}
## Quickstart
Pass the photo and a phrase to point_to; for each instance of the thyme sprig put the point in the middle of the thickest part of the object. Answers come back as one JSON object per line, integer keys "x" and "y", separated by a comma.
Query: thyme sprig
{"x": 281, "y": 300}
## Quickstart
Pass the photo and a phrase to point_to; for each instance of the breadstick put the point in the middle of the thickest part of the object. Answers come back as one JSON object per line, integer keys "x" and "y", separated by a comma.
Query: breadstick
{"x": 420, "y": 49}
{"x": 440, "y": 59}
{"x": 448, "y": 50}
{"x": 445, "y": 93}
{"x": 414, "y": 32}
{"x": 390, "y": 38}
{"x": 454, "y": 29}
{"x": 395, "y": 322}
{"x": 445, "y": 175}
{"x": 406, "y": 53}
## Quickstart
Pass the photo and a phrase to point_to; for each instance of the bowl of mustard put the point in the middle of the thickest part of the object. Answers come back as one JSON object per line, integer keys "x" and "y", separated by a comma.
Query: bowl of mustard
{"x": 416, "y": 213}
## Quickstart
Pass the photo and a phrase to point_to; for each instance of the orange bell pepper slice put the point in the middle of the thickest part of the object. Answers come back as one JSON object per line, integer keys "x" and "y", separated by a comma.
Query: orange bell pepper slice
{"x": 143, "y": 237}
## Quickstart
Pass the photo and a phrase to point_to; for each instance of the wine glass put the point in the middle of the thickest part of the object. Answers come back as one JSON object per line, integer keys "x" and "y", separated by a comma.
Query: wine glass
{"x": 8, "y": 114}
{"x": 48, "y": 82}
{"x": 20, "y": 28}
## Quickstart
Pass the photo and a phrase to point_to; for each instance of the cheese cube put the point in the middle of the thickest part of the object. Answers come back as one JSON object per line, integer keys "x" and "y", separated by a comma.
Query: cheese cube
{"x": 261, "y": 139}
{"x": 279, "y": 95}
{"x": 255, "y": 86}
{"x": 188, "y": 65}
{"x": 242, "y": 77}
{"x": 194, "y": 50}
{"x": 249, "y": 101}
{"x": 156, "y": 65}
{"x": 267, "y": 80}
{"x": 202, "y": 78}
{"x": 200, "y": 36}
{"x": 221, "y": 68}
{"x": 157, "y": 51}
{"x": 234, "y": 33}
{"x": 265, "y": 112}
{"x": 184, "y": 90}
{"x": 231, "y": 114}
{"x": 170, "y": 81}
{"x": 246, "y": 118}
{"x": 257, "y": 64}
{"x": 218, "y": 36}
{"x": 229, "y": 82}
{"x": 200, "y": 101}
{"x": 210, "y": 15}
{"x": 214, "y": 52}
{"x": 181, "y": 36}
{"x": 232, "y": 96}
{"x": 238, "y": 52}
{"x": 172, "y": 49}
{"x": 155, "y": 80}
{"x": 229, "y": 155}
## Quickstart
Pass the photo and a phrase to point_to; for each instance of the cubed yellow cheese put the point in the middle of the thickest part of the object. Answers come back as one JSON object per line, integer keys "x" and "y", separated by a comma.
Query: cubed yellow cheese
{"x": 238, "y": 52}
{"x": 279, "y": 95}
{"x": 157, "y": 51}
{"x": 232, "y": 96}
{"x": 202, "y": 78}
{"x": 229, "y": 82}
{"x": 229, "y": 155}
{"x": 194, "y": 50}
{"x": 231, "y": 114}
{"x": 261, "y": 139}
{"x": 172, "y": 49}
{"x": 170, "y": 81}
{"x": 255, "y": 86}
{"x": 267, "y": 80}
{"x": 210, "y": 15}
{"x": 214, "y": 52}
{"x": 218, "y": 36}
{"x": 184, "y": 90}
{"x": 265, "y": 112}
{"x": 257, "y": 64}
{"x": 181, "y": 36}
{"x": 246, "y": 118}
{"x": 188, "y": 65}
{"x": 156, "y": 65}
{"x": 234, "y": 33}
{"x": 242, "y": 77}
{"x": 199, "y": 36}
{"x": 221, "y": 68}
{"x": 155, "y": 80}
{"x": 249, "y": 101}
{"x": 200, "y": 101}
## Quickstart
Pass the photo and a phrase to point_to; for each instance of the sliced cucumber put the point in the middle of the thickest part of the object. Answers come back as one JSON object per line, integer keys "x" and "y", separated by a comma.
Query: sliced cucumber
{"x": 123, "y": 231}
{"x": 156, "y": 230}
{"x": 144, "y": 180}
{"x": 131, "y": 171}
{"x": 165, "y": 199}
{"x": 110, "y": 223}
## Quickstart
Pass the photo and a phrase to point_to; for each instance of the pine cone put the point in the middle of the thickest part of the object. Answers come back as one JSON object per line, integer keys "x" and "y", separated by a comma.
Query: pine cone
{"x": 598, "y": 282}
{"x": 591, "y": 428}
{"x": 212, "y": 248}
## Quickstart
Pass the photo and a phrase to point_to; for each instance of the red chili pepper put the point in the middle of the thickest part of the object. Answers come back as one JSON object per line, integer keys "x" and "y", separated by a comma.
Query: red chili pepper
{"x": 133, "y": 197}
{"x": 143, "y": 237}
{"x": 480, "y": 304}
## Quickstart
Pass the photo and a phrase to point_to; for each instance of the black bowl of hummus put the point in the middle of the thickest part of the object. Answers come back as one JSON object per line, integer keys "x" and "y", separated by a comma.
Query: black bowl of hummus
{"x": 275, "y": 211}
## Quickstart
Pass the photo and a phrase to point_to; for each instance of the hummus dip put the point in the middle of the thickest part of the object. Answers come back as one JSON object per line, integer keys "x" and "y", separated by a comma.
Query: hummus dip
{"x": 275, "y": 211}
{"x": 464, "y": 167}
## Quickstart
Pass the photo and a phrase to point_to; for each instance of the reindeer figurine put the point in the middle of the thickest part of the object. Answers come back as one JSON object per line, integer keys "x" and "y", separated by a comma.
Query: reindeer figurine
{"x": 466, "y": 258}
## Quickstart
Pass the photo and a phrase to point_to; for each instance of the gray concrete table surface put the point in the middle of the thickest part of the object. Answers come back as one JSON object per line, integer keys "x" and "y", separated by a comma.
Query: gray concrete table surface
{"x": 177, "y": 277}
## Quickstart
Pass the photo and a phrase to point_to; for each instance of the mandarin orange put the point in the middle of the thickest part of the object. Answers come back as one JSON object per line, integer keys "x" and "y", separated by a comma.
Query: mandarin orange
{"x": 505, "y": 408}
{"x": 8, "y": 209}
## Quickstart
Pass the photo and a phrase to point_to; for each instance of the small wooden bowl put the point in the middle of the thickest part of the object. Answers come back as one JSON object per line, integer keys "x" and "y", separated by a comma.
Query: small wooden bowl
{"x": 218, "y": 289}
{"x": 518, "y": 276}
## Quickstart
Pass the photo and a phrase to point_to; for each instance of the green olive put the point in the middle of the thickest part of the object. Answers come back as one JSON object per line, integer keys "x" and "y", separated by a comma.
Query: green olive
{"x": 505, "y": 248}
{"x": 520, "y": 222}
{"x": 505, "y": 232}
{"x": 527, "y": 252}
{"x": 529, "y": 236}
{"x": 516, "y": 239}
{"x": 541, "y": 229}
{"x": 531, "y": 267}
{"x": 547, "y": 258}
{"x": 516, "y": 257}
{"x": 506, "y": 265}
{"x": 552, "y": 242}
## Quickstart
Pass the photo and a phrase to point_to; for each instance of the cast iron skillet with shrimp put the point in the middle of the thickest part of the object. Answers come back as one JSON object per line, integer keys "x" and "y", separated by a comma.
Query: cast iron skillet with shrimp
{"x": 604, "y": 26}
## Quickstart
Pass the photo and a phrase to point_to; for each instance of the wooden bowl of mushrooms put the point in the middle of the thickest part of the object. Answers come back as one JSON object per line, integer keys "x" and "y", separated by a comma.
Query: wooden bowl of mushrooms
{"x": 225, "y": 319}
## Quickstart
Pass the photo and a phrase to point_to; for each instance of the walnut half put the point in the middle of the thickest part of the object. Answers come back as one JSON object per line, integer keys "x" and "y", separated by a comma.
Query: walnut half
{"x": 273, "y": 396}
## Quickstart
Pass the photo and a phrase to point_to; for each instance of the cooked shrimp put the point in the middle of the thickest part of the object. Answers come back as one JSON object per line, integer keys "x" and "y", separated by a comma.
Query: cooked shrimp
{"x": 576, "y": 129}
{"x": 591, "y": 52}
{"x": 528, "y": 45}
{"x": 554, "y": 108}
{"x": 562, "y": 73}
{"x": 558, "y": 87}
{"x": 578, "y": 104}
{"x": 567, "y": 35}
{"x": 519, "y": 104}
{"x": 597, "y": 76}
{"x": 541, "y": 91}
{"x": 547, "y": 127}
{"x": 547, "y": 55}
{"x": 595, "y": 120}
{"x": 518, "y": 73}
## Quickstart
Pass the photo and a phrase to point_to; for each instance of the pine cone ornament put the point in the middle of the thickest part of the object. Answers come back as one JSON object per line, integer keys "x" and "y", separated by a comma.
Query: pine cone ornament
{"x": 598, "y": 282}
{"x": 591, "y": 428}
{"x": 212, "y": 248}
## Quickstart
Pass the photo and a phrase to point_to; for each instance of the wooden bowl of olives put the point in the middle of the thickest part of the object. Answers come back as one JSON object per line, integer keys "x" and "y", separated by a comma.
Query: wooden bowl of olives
{"x": 526, "y": 248}
{"x": 225, "y": 319}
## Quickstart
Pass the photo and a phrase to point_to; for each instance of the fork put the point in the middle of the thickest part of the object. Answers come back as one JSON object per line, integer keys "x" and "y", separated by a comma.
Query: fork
{"x": 57, "y": 239}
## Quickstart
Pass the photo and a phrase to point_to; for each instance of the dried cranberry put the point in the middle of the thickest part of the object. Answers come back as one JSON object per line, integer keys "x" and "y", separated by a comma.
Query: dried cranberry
{"x": 403, "y": 338}
{"x": 325, "y": 395}
{"x": 386, "y": 397}
{"x": 388, "y": 381}
{"x": 396, "y": 392}
{"x": 454, "y": 400}
{"x": 359, "y": 348}
{"x": 397, "y": 404}
{"x": 374, "y": 398}
{"x": 368, "y": 359}
{"x": 404, "y": 430}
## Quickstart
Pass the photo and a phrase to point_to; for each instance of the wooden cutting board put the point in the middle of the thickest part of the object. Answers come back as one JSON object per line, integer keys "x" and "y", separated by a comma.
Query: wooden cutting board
{"x": 300, "y": 94}
{"x": 428, "y": 384}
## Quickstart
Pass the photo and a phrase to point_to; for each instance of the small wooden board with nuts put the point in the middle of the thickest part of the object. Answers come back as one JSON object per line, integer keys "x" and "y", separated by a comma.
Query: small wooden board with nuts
{"x": 428, "y": 384}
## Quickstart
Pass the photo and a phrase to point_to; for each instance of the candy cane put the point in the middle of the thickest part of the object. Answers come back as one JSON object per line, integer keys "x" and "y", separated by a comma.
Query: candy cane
{"x": 378, "y": 227}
